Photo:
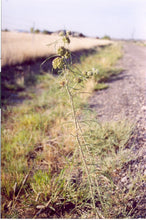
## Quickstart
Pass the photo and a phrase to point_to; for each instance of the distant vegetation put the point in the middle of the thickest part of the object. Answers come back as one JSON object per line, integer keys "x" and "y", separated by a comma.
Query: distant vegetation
{"x": 47, "y": 32}
{"x": 106, "y": 37}
{"x": 72, "y": 33}
{"x": 6, "y": 30}
{"x": 31, "y": 30}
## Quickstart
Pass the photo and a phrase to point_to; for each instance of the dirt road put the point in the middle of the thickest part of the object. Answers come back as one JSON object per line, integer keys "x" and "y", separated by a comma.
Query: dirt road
{"x": 125, "y": 96}
{"x": 126, "y": 99}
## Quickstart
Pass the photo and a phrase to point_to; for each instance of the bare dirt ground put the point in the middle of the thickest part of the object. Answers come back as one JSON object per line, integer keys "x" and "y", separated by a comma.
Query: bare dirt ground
{"x": 125, "y": 99}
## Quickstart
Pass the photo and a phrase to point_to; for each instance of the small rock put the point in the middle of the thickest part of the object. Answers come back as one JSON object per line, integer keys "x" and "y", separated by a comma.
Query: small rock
{"x": 143, "y": 108}
{"x": 124, "y": 179}
{"x": 129, "y": 186}
{"x": 40, "y": 207}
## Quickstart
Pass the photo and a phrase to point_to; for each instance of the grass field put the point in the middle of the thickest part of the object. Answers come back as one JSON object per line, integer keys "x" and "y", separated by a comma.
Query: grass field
{"x": 43, "y": 175}
{"x": 20, "y": 47}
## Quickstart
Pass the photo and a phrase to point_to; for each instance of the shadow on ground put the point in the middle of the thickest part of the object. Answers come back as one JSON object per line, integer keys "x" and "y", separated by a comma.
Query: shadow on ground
{"x": 16, "y": 78}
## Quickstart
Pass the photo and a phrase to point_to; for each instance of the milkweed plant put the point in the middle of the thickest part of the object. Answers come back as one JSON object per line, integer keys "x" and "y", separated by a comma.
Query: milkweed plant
{"x": 71, "y": 80}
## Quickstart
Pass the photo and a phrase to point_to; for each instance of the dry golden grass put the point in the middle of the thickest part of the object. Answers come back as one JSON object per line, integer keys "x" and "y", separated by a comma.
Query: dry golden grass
{"x": 19, "y": 47}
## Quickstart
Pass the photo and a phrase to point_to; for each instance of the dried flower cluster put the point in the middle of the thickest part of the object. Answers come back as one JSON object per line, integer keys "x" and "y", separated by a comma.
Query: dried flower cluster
{"x": 62, "y": 52}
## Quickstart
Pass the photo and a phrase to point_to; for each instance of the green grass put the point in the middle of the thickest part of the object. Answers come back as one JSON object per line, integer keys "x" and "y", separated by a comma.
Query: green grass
{"x": 106, "y": 37}
{"x": 100, "y": 86}
{"x": 140, "y": 43}
{"x": 38, "y": 142}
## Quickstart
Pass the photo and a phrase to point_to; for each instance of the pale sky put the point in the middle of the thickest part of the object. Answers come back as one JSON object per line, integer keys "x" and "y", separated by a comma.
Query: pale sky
{"x": 116, "y": 18}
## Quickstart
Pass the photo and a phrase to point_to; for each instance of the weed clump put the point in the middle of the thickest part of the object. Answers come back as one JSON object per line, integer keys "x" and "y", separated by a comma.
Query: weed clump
{"x": 58, "y": 63}
{"x": 63, "y": 64}
{"x": 106, "y": 37}
{"x": 57, "y": 160}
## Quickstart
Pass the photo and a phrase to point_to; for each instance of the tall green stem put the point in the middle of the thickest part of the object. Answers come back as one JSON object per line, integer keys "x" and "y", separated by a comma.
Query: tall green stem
{"x": 78, "y": 129}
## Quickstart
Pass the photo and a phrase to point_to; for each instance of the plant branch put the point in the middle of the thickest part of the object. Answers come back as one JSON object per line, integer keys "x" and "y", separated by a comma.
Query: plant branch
{"x": 78, "y": 127}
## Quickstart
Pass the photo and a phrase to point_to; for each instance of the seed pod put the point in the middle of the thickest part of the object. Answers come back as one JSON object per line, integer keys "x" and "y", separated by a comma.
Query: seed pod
{"x": 79, "y": 80}
{"x": 67, "y": 54}
{"x": 61, "y": 34}
{"x": 95, "y": 71}
{"x": 61, "y": 51}
{"x": 84, "y": 73}
{"x": 66, "y": 39}
{"x": 89, "y": 73}
{"x": 68, "y": 33}
{"x": 58, "y": 63}
{"x": 62, "y": 83}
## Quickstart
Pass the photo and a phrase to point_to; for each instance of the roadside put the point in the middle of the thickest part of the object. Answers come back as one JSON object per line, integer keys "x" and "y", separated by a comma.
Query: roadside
{"x": 125, "y": 100}
{"x": 34, "y": 137}
{"x": 125, "y": 96}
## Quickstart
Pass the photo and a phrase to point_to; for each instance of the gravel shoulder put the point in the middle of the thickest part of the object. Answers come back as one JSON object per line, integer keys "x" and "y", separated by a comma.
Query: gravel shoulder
{"x": 125, "y": 99}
